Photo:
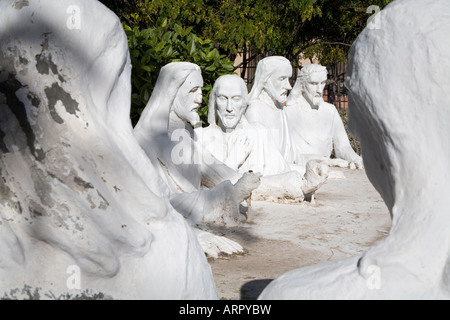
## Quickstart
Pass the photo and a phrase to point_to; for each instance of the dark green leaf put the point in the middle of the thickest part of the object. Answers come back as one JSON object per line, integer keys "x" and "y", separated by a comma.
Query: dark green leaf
{"x": 192, "y": 47}
{"x": 159, "y": 46}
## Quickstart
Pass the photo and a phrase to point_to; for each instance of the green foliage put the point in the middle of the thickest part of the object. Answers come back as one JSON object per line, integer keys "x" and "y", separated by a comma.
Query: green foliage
{"x": 328, "y": 37}
{"x": 152, "y": 48}
{"x": 263, "y": 25}
{"x": 316, "y": 28}
{"x": 161, "y": 31}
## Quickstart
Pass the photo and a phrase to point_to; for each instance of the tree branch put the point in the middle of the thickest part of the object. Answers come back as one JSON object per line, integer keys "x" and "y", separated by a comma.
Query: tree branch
{"x": 331, "y": 43}
{"x": 246, "y": 61}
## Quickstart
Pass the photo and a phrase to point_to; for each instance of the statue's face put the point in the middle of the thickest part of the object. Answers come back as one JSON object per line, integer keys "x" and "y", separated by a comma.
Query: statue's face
{"x": 229, "y": 103}
{"x": 189, "y": 98}
{"x": 313, "y": 88}
{"x": 278, "y": 85}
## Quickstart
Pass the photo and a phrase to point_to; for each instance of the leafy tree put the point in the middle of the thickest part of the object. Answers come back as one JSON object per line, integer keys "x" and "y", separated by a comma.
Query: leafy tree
{"x": 261, "y": 24}
{"x": 161, "y": 31}
{"x": 152, "y": 48}
{"x": 321, "y": 28}
{"x": 330, "y": 34}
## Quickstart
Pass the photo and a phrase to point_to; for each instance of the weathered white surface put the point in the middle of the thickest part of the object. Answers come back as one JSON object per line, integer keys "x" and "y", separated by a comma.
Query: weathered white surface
{"x": 399, "y": 111}
{"x": 245, "y": 146}
{"x": 316, "y": 127}
{"x": 79, "y": 197}
{"x": 266, "y": 100}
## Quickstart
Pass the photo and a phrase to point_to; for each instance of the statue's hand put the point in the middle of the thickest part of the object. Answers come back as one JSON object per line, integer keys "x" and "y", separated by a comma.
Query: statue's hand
{"x": 246, "y": 184}
{"x": 316, "y": 175}
{"x": 239, "y": 148}
{"x": 214, "y": 245}
{"x": 356, "y": 164}
{"x": 359, "y": 164}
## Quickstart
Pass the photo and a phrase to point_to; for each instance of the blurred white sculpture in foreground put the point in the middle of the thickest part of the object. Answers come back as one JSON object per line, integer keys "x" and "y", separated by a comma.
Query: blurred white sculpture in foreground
{"x": 164, "y": 131}
{"x": 83, "y": 212}
{"x": 399, "y": 111}
{"x": 246, "y": 146}
{"x": 316, "y": 127}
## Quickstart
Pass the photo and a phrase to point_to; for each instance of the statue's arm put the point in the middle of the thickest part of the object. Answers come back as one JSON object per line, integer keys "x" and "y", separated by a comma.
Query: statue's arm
{"x": 215, "y": 171}
{"x": 252, "y": 114}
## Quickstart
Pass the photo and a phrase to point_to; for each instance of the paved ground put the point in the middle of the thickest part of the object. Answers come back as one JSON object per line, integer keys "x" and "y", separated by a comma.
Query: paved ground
{"x": 348, "y": 217}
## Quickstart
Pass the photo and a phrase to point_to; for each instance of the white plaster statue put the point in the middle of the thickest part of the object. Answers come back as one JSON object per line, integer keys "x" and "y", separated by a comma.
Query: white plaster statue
{"x": 83, "y": 211}
{"x": 267, "y": 99}
{"x": 316, "y": 127}
{"x": 399, "y": 111}
{"x": 246, "y": 146}
{"x": 164, "y": 131}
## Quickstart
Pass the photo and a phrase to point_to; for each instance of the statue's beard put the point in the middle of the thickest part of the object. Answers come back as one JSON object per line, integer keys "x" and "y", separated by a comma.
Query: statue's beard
{"x": 313, "y": 101}
{"x": 279, "y": 96}
{"x": 191, "y": 116}
{"x": 229, "y": 124}
{"x": 317, "y": 101}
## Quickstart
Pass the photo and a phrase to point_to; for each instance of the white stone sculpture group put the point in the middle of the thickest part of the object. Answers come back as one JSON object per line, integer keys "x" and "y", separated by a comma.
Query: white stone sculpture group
{"x": 128, "y": 208}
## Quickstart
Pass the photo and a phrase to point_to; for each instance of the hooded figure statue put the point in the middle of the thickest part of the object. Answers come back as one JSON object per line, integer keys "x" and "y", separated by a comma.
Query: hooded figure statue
{"x": 83, "y": 211}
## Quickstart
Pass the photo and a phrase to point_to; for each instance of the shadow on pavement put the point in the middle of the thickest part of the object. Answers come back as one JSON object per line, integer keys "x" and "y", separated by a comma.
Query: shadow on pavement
{"x": 252, "y": 289}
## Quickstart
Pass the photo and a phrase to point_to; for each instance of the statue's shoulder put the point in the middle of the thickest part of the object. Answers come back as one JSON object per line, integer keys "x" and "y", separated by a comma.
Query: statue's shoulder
{"x": 259, "y": 103}
{"x": 328, "y": 105}
{"x": 253, "y": 111}
{"x": 253, "y": 105}
{"x": 204, "y": 130}
{"x": 295, "y": 106}
{"x": 255, "y": 126}
{"x": 206, "y": 134}
{"x": 329, "y": 108}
